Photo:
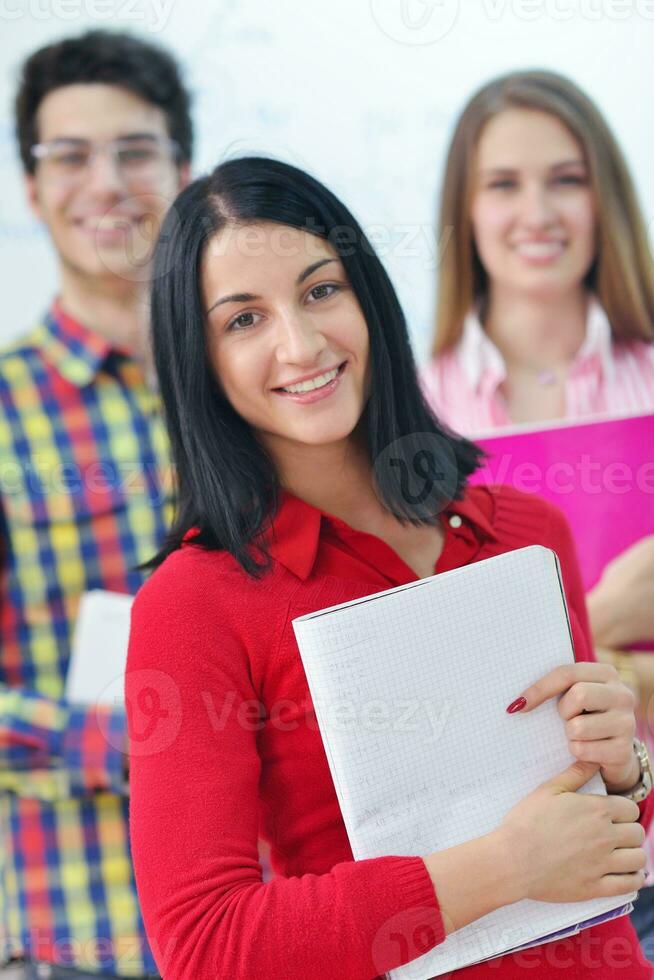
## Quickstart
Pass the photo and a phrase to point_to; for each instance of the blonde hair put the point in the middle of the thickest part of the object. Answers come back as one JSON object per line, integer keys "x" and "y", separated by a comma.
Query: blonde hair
{"x": 622, "y": 274}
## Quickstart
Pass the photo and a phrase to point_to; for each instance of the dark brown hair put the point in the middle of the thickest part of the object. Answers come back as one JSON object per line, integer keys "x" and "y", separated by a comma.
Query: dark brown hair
{"x": 109, "y": 58}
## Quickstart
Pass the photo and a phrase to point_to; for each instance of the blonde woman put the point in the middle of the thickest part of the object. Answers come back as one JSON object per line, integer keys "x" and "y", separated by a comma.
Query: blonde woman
{"x": 546, "y": 298}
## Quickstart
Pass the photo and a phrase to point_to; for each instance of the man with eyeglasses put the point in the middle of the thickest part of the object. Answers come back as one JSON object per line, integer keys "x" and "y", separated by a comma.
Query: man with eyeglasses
{"x": 105, "y": 135}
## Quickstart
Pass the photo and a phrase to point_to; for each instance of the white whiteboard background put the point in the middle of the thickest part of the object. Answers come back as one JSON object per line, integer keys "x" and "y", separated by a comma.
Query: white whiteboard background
{"x": 363, "y": 93}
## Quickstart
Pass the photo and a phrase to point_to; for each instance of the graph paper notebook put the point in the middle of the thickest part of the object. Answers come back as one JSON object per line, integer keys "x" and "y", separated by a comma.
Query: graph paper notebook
{"x": 410, "y": 688}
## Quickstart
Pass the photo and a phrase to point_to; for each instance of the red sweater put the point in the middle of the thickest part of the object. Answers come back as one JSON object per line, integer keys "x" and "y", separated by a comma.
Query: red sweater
{"x": 225, "y": 749}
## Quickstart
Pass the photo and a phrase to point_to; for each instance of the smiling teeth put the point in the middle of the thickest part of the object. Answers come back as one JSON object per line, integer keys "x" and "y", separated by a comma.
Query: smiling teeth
{"x": 107, "y": 224}
{"x": 322, "y": 379}
{"x": 539, "y": 249}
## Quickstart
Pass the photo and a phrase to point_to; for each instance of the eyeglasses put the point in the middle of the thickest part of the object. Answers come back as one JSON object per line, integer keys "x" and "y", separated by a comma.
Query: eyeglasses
{"x": 139, "y": 159}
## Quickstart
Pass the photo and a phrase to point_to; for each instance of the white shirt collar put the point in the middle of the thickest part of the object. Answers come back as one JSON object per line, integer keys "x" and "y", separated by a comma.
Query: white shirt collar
{"x": 479, "y": 356}
{"x": 598, "y": 340}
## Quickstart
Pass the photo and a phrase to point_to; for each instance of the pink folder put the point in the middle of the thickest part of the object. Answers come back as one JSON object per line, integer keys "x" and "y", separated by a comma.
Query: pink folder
{"x": 600, "y": 473}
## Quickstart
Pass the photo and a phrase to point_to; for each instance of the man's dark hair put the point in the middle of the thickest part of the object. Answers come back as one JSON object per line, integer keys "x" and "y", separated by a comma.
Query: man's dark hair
{"x": 109, "y": 58}
{"x": 227, "y": 483}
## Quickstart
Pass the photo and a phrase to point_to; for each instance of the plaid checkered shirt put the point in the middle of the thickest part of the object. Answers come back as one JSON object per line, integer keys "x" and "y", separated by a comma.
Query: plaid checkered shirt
{"x": 85, "y": 494}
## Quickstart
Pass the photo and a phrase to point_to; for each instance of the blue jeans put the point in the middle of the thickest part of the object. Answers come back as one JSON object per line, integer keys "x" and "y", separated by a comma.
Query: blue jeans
{"x": 31, "y": 970}
{"x": 642, "y": 919}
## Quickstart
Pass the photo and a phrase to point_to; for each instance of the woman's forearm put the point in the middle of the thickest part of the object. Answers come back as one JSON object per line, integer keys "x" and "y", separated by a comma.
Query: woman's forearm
{"x": 621, "y": 604}
{"x": 473, "y": 879}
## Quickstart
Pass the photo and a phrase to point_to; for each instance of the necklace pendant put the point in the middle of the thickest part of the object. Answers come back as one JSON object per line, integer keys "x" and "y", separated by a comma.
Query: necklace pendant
{"x": 546, "y": 377}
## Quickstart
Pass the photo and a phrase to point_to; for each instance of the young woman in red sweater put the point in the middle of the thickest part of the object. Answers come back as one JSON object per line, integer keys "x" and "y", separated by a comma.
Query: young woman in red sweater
{"x": 311, "y": 471}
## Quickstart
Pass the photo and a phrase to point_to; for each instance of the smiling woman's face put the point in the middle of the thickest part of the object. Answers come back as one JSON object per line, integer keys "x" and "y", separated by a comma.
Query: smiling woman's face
{"x": 286, "y": 336}
{"x": 533, "y": 212}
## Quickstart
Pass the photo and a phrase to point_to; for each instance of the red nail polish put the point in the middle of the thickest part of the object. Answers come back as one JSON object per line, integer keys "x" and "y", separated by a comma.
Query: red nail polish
{"x": 516, "y": 705}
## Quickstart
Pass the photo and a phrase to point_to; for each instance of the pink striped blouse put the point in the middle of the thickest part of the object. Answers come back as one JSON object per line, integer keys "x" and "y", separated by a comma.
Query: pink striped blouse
{"x": 463, "y": 385}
